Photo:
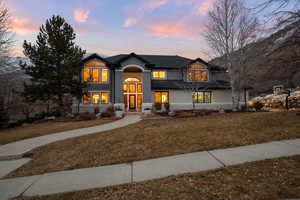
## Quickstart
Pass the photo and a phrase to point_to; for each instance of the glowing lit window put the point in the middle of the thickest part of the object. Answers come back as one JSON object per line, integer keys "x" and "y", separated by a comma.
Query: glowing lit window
{"x": 104, "y": 75}
{"x": 132, "y": 88}
{"x": 159, "y": 75}
{"x": 96, "y": 75}
{"x": 86, "y": 74}
{"x": 198, "y": 72}
{"x": 96, "y": 98}
{"x": 94, "y": 63}
{"x": 139, "y": 88}
{"x": 198, "y": 66}
{"x": 161, "y": 97}
{"x": 125, "y": 87}
{"x": 87, "y": 98}
{"x": 104, "y": 97}
{"x": 202, "y": 97}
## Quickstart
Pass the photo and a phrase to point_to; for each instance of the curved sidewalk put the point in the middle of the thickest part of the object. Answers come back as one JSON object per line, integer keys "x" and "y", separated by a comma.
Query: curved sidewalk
{"x": 17, "y": 149}
{"x": 103, "y": 176}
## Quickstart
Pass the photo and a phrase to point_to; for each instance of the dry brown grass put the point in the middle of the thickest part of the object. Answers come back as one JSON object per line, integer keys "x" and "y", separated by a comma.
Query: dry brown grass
{"x": 263, "y": 180}
{"x": 35, "y": 130}
{"x": 163, "y": 137}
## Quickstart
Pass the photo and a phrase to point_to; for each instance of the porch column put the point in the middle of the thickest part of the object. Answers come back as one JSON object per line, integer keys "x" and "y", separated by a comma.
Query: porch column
{"x": 119, "y": 100}
{"x": 147, "y": 94}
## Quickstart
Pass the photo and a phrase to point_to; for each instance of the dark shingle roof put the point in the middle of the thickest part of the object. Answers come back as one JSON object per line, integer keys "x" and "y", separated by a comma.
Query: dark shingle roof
{"x": 174, "y": 84}
{"x": 160, "y": 61}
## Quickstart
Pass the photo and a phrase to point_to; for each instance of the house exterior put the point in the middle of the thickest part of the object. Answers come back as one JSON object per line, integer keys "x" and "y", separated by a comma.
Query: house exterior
{"x": 138, "y": 82}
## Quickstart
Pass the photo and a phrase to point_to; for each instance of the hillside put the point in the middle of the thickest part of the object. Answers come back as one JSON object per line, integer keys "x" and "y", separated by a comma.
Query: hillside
{"x": 273, "y": 60}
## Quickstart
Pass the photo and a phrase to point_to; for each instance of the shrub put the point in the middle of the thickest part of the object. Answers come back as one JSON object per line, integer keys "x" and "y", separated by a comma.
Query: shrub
{"x": 110, "y": 112}
{"x": 257, "y": 105}
{"x": 157, "y": 106}
{"x": 167, "y": 106}
{"x": 87, "y": 116}
{"x": 96, "y": 110}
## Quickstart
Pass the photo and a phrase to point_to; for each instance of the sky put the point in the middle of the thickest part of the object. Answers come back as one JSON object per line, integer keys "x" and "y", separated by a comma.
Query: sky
{"x": 110, "y": 27}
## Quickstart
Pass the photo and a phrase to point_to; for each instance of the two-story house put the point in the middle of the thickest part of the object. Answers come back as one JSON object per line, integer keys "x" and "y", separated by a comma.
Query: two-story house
{"x": 136, "y": 82}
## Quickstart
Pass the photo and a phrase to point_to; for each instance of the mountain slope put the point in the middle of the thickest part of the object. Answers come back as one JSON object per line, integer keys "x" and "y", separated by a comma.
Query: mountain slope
{"x": 273, "y": 60}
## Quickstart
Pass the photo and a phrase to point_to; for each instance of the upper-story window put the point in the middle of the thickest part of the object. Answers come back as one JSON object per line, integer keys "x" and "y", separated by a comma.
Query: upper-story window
{"x": 95, "y": 71}
{"x": 198, "y": 72}
{"x": 159, "y": 75}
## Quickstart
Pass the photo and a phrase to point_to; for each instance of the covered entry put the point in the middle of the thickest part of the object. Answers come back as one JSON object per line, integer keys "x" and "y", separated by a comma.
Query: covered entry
{"x": 133, "y": 94}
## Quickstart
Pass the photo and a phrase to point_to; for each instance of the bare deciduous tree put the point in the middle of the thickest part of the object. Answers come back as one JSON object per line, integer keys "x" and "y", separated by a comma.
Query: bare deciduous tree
{"x": 231, "y": 28}
{"x": 284, "y": 11}
{"x": 5, "y": 34}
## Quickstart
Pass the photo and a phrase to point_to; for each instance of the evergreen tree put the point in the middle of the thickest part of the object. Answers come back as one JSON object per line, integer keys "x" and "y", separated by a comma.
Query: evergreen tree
{"x": 56, "y": 63}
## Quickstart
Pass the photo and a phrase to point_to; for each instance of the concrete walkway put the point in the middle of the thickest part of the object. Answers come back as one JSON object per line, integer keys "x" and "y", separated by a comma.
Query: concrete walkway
{"x": 16, "y": 150}
{"x": 103, "y": 176}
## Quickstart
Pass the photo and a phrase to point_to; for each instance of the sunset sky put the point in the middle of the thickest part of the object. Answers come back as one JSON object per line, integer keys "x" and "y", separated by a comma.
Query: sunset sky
{"x": 112, "y": 27}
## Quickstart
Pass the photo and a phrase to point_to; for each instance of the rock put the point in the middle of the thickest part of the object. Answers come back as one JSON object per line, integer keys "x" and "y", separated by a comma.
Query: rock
{"x": 51, "y": 118}
{"x": 172, "y": 114}
{"x": 98, "y": 115}
{"x": 221, "y": 111}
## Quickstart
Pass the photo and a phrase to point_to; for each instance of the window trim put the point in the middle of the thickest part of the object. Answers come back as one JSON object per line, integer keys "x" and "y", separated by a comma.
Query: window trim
{"x": 165, "y": 78}
{"x": 204, "y": 99}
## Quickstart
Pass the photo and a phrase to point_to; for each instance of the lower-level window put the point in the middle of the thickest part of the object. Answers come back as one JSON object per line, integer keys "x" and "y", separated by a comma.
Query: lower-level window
{"x": 96, "y": 98}
{"x": 202, "y": 97}
{"x": 161, "y": 97}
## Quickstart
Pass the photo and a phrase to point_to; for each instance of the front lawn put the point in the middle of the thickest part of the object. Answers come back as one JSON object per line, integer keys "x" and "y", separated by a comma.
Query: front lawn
{"x": 34, "y": 130}
{"x": 162, "y": 137}
{"x": 270, "y": 179}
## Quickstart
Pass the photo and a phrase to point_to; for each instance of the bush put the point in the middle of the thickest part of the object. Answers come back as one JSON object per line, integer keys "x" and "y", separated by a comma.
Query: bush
{"x": 167, "y": 107}
{"x": 110, "y": 112}
{"x": 87, "y": 116}
{"x": 257, "y": 105}
{"x": 97, "y": 110}
{"x": 157, "y": 106}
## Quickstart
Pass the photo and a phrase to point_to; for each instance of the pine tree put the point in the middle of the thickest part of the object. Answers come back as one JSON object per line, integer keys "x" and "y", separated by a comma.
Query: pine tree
{"x": 56, "y": 63}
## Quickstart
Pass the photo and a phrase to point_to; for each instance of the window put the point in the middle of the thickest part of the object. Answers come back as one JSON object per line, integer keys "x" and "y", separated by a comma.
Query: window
{"x": 104, "y": 74}
{"x": 161, "y": 97}
{"x": 96, "y": 98}
{"x": 95, "y": 71}
{"x": 104, "y": 97}
{"x": 87, "y": 98}
{"x": 198, "y": 72}
{"x": 159, "y": 75}
{"x": 95, "y": 75}
{"x": 86, "y": 74}
{"x": 202, "y": 97}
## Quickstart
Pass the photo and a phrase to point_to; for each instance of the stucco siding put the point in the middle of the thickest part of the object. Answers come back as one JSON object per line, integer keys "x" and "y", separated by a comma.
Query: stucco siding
{"x": 118, "y": 87}
{"x": 174, "y": 75}
{"x": 147, "y": 87}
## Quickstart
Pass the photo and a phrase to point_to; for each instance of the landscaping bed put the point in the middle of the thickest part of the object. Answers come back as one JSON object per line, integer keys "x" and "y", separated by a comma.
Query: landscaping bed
{"x": 162, "y": 137}
{"x": 39, "y": 129}
{"x": 274, "y": 179}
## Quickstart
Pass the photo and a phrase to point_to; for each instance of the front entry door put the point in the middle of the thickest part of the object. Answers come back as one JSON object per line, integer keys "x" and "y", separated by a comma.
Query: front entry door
{"x": 132, "y": 103}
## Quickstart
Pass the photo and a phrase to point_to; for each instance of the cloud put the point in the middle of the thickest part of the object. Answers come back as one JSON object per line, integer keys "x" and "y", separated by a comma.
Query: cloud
{"x": 22, "y": 25}
{"x": 205, "y": 7}
{"x": 129, "y": 22}
{"x": 186, "y": 27}
{"x": 153, "y": 4}
{"x": 138, "y": 11}
{"x": 81, "y": 15}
